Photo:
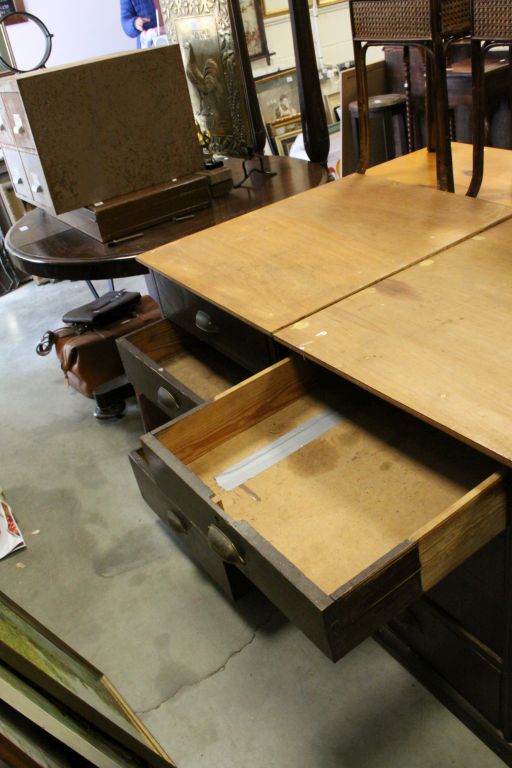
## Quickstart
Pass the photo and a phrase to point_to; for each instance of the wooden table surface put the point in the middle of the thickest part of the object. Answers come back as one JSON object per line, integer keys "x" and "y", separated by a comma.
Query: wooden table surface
{"x": 288, "y": 260}
{"x": 419, "y": 168}
{"x": 42, "y": 245}
{"x": 434, "y": 340}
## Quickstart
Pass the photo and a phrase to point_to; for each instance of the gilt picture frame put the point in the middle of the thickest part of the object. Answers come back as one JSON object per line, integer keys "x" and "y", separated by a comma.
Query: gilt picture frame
{"x": 278, "y": 95}
{"x": 273, "y": 8}
{"x": 31, "y": 650}
{"x": 284, "y": 142}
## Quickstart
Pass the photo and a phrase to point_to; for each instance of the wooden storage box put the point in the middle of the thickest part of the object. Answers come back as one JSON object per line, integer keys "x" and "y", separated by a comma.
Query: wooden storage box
{"x": 138, "y": 210}
{"x": 347, "y": 530}
{"x": 87, "y": 132}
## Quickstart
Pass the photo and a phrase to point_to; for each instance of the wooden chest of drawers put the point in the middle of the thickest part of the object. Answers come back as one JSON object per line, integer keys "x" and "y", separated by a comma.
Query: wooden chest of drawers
{"x": 87, "y": 132}
{"x": 369, "y": 520}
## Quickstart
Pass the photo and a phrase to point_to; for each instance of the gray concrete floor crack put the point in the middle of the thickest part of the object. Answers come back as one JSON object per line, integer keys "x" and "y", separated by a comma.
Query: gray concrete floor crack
{"x": 214, "y": 672}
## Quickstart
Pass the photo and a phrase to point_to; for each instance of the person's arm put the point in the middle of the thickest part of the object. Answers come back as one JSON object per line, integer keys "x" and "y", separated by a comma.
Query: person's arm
{"x": 128, "y": 18}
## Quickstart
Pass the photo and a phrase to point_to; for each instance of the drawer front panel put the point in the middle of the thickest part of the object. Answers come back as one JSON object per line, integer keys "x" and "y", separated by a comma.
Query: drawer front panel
{"x": 468, "y": 666}
{"x": 6, "y": 134}
{"x": 185, "y": 533}
{"x": 17, "y": 173}
{"x": 37, "y": 180}
{"x": 18, "y": 121}
{"x": 148, "y": 378}
{"x": 238, "y": 341}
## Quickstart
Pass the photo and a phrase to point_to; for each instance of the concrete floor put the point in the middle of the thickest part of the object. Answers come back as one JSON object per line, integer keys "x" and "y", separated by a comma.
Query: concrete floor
{"x": 220, "y": 686}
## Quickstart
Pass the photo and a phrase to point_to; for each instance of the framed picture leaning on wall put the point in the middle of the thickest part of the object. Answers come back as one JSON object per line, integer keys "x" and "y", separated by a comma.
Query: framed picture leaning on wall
{"x": 252, "y": 16}
{"x": 278, "y": 95}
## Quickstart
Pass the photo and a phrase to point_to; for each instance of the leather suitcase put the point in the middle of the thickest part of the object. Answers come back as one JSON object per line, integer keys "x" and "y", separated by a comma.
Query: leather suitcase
{"x": 90, "y": 359}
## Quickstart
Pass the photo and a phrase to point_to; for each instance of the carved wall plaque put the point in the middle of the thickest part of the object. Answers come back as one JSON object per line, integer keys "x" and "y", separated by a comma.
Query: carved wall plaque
{"x": 203, "y": 30}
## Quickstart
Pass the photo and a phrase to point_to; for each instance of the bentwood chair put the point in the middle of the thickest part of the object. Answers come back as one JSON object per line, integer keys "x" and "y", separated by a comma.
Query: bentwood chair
{"x": 428, "y": 24}
{"x": 491, "y": 26}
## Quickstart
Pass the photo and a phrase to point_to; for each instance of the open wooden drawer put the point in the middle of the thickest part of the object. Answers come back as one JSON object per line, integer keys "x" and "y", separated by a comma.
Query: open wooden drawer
{"x": 175, "y": 370}
{"x": 343, "y": 530}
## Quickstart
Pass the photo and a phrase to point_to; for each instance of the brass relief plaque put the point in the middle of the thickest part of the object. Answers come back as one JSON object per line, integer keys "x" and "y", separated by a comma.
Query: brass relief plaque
{"x": 203, "y": 30}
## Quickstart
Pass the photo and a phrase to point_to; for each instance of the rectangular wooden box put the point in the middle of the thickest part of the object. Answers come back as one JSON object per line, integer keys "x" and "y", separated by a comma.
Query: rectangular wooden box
{"x": 84, "y": 133}
{"x": 138, "y": 210}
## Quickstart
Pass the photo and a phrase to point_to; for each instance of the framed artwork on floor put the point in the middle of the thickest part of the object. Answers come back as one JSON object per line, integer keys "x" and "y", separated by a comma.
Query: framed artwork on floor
{"x": 285, "y": 141}
{"x": 35, "y": 664}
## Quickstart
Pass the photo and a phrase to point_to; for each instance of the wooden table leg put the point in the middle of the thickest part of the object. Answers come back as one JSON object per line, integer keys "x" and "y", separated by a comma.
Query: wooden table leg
{"x": 411, "y": 140}
{"x": 477, "y": 69}
{"x": 430, "y": 111}
{"x": 362, "y": 106}
{"x": 443, "y": 145}
{"x": 314, "y": 120}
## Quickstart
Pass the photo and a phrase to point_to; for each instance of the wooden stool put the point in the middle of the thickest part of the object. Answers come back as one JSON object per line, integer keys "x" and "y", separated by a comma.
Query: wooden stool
{"x": 389, "y": 110}
{"x": 429, "y": 24}
{"x": 491, "y": 25}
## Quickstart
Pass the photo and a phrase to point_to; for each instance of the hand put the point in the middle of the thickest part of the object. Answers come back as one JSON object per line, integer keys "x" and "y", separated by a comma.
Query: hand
{"x": 139, "y": 23}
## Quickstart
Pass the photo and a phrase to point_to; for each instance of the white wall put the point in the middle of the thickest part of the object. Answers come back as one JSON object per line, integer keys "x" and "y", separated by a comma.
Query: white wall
{"x": 335, "y": 39}
{"x": 81, "y": 29}
{"x": 86, "y": 28}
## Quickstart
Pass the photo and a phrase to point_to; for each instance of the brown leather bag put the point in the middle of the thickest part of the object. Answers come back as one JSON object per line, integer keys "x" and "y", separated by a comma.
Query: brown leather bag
{"x": 90, "y": 358}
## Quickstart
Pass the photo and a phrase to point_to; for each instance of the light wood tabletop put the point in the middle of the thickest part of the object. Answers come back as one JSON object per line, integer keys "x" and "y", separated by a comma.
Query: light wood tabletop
{"x": 434, "y": 340}
{"x": 419, "y": 168}
{"x": 276, "y": 265}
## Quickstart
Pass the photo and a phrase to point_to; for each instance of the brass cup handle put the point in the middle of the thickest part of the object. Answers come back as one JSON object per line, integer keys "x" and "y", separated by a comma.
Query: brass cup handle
{"x": 224, "y": 547}
{"x": 175, "y": 522}
{"x": 167, "y": 399}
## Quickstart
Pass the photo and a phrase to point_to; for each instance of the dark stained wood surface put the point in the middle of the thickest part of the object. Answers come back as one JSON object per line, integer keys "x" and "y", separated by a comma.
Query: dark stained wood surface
{"x": 458, "y": 76}
{"x": 314, "y": 122}
{"x": 42, "y": 245}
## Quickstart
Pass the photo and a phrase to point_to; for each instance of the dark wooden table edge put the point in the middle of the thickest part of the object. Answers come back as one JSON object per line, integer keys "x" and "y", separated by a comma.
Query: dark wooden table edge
{"x": 125, "y": 263}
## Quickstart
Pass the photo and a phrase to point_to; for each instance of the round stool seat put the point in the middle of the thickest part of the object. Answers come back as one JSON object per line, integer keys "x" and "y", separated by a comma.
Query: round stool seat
{"x": 384, "y": 101}
{"x": 387, "y": 114}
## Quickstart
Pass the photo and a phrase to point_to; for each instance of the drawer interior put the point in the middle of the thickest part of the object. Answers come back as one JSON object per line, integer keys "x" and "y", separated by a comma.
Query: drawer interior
{"x": 345, "y": 499}
{"x": 187, "y": 359}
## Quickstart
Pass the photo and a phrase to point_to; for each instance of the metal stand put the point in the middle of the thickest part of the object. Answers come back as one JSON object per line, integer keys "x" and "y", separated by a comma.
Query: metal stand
{"x": 247, "y": 174}
{"x": 95, "y": 292}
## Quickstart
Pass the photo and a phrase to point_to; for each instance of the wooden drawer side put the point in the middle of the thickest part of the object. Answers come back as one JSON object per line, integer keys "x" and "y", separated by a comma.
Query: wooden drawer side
{"x": 237, "y": 409}
{"x": 157, "y": 340}
{"x": 462, "y": 530}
